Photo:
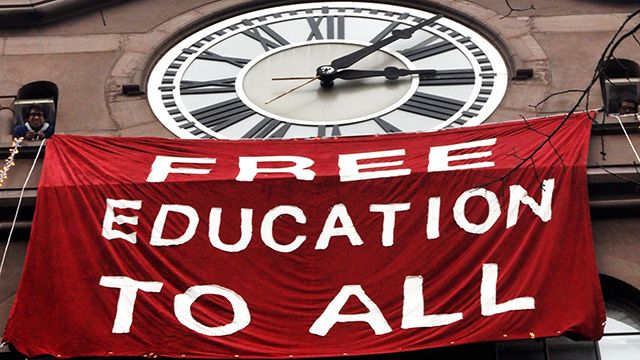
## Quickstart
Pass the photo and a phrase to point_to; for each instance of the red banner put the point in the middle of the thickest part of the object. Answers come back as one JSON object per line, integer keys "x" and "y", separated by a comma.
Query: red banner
{"x": 304, "y": 248}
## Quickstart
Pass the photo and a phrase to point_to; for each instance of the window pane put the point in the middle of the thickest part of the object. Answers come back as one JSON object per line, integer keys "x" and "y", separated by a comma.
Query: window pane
{"x": 620, "y": 347}
{"x": 620, "y": 318}
{"x": 520, "y": 350}
{"x": 562, "y": 348}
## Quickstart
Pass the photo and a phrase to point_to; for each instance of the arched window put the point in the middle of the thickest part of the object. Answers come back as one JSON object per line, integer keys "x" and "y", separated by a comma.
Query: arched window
{"x": 620, "y": 79}
{"x": 43, "y": 94}
{"x": 621, "y": 340}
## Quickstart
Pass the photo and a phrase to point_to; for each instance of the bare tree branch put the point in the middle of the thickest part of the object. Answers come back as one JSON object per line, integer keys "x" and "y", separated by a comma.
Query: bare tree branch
{"x": 526, "y": 122}
{"x": 553, "y": 95}
{"x": 555, "y": 150}
{"x": 636, "y": 39}
{"x": 618, "y": 175}
{"x": 535, "y": 172}
{"x": 515, "y": 9}
{"x": 607, "y": 54}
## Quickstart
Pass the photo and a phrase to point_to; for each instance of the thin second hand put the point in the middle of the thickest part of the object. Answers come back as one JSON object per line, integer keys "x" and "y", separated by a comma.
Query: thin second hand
{"x": 293, "y": 89}
{"x": 294, "y": 78}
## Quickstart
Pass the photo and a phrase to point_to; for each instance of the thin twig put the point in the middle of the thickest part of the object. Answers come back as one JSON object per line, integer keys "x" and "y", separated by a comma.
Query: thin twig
{"x": 514, "y": 9}
{"x": 104, "y": 22}
{"x": 535, "y": 173}
{"x": 618, "y": 175}
{"x": 606, "y": 55}
{"x": 526, "y": 122}
{"x": 554, "y": 94}
{"x": 555, "y": 150}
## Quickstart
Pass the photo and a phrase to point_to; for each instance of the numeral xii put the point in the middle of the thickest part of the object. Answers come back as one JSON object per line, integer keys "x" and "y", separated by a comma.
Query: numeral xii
{"x": 333, "y": 26}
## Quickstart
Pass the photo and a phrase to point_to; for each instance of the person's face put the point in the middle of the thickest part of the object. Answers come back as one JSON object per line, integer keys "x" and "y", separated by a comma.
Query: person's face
{"x": 627, "y": 107}
{"x": 36, "y": 118}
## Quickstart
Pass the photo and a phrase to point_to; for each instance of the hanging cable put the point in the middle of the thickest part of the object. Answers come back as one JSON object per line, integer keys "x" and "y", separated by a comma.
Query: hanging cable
{"x": 15, "y": 218}
{"x": 628, "y": 138}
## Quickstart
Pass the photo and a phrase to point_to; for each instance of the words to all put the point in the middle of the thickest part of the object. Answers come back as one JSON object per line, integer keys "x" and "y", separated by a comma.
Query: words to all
{"x": 412, "y": 307}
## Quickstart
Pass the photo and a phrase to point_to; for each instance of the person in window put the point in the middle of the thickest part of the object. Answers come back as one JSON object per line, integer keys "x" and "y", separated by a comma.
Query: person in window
{"x": 36, "y": 127}
{"x": 627, "y": 105}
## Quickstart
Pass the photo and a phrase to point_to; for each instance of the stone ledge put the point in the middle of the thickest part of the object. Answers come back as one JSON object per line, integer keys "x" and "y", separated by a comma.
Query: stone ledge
{"x": 61, "y": 44}
{"x": 578, "y": 23}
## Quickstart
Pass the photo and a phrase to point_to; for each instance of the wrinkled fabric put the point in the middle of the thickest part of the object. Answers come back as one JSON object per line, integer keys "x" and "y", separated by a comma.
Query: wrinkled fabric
{"x": 337, "y": 257}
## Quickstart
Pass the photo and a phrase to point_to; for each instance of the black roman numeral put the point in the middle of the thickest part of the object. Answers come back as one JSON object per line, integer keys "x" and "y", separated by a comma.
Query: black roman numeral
{"x": 450, "y": 77}
{"x": 279, "y": 134}
{"x": 437, "y": 107}
{"x": 427, "y": 51}
{"x": 267, "y": 128}
{"x": 333, "y": 129}
{"x": 271, "y": 41}
{"x": 208, "y": 87}
{"x": 388, "y": 128}
{"x": 322, "y": 131}
{"x": 334, "y": 26}
{"x": 239, "y": 62}
{"x": 223, "y": 114}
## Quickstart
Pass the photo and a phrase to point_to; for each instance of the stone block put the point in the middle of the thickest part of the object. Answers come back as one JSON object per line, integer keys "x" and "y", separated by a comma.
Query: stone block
{"x": 510, "y": 27}
{"x": 146, "y": 43}
{"x": 129, "y": 64}
{"x": 173, "y": 25}
{"x": 154, "y": 128}
{"x": 129, "y": 113}
{"x": 216, "y": 6}
{"x": 478, "y": 12}
{"x": 61, "y": 44}
{"x": 526, "y": 48}
{"x": 522, "y": 96}
{"x": 578, "y": 23}
{"x": 503, "y": 115}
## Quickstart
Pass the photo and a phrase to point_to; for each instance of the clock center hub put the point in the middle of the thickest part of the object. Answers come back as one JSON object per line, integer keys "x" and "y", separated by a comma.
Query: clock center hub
{"x": 321, "y": 102}
{"x": 324, "y": 73}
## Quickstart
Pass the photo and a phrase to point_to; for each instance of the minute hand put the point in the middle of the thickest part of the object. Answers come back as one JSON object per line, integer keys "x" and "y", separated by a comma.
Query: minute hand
{"x": 391, "y": 73}
{"x": 354, "y": 57}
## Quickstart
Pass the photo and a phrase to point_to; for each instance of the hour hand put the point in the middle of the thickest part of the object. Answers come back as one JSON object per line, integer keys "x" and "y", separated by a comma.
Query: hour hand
{"x": 390, "y": 73}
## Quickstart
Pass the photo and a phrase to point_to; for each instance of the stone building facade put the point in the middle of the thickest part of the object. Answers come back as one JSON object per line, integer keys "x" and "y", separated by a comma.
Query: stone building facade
{"x": 99, "y": 58}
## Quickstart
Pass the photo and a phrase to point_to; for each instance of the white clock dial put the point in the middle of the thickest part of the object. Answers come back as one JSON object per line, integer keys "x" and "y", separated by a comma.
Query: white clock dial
{"x": 346, "y": 103}
{"x": 218, "y": 82}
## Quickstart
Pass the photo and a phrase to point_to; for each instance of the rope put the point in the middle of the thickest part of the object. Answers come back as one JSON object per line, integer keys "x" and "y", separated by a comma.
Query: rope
{"x": 15, "y": 218}
{"x": 628, "y": 138}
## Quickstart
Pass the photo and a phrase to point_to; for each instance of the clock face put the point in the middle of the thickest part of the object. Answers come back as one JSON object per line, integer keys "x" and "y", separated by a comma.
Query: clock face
{"x": 255, "y": 75}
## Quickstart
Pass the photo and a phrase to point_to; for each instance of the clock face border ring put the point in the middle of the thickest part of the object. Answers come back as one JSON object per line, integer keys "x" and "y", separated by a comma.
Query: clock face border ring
{"x": 166, "y": 104}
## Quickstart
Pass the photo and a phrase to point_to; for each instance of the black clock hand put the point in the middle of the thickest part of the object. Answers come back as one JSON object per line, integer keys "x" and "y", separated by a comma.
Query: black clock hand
{"x": 350, "y": 59}
{"x": 391, "y": 73}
